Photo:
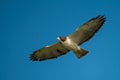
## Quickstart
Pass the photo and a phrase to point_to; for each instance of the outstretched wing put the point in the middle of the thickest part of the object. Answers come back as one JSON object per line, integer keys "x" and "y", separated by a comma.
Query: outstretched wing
{"x": 49, "y": 52}
{"x": 87, "y": 30}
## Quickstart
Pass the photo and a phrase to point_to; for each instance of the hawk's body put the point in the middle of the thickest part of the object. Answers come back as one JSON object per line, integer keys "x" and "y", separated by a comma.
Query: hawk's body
{"x": 72, "y": 42}
{"x": 71, "y": 45}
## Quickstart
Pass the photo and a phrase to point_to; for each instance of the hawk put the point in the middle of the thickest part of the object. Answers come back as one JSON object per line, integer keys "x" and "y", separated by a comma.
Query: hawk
{"x": 71, "y": 42}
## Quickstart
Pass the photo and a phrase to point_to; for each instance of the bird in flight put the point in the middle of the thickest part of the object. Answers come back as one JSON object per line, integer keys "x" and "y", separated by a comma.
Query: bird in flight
{"x": 71, "y": 42}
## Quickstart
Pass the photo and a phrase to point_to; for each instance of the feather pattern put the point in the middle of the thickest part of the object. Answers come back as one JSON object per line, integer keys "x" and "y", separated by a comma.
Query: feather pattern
{"x": 87, "y": 30}
{"x": 50, "y": 52}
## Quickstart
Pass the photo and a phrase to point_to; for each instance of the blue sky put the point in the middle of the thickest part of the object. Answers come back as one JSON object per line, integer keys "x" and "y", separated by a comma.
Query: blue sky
{"x": 27, "y": 25}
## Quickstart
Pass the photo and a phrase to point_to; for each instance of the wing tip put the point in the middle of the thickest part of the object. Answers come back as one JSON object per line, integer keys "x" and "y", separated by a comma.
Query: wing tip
{"x": 99, "y": 17}
{"x": 33, "y": 56}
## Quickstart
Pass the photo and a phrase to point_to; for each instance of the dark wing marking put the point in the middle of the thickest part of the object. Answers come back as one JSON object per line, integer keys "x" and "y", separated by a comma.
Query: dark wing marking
{"x": 87, "y": 30}
{"x": 49, "y": 52}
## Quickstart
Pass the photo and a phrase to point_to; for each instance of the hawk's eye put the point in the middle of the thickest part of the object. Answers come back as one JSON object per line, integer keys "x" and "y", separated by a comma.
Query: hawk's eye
{"x": 62, "y": 38}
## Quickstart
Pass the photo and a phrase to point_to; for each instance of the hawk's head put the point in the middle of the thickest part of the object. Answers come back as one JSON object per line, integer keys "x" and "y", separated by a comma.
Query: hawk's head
{"x": 61, "y": 38}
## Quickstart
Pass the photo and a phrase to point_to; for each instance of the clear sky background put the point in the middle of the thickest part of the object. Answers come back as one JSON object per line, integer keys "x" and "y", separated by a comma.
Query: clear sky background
{"x": 27, "y": 25}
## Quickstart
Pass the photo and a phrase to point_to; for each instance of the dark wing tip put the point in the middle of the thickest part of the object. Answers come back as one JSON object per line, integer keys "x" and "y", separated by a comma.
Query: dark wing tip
{"x": 33, "y": 56}
{"x": 100, "y": 17}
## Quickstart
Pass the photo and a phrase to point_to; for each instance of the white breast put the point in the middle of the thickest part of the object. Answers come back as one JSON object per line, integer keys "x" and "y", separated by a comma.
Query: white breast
{"x": 69, "y": 44}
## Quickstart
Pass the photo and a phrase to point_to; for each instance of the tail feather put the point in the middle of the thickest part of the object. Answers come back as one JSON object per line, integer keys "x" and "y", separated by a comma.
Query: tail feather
{"x": 80, "y": 53}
